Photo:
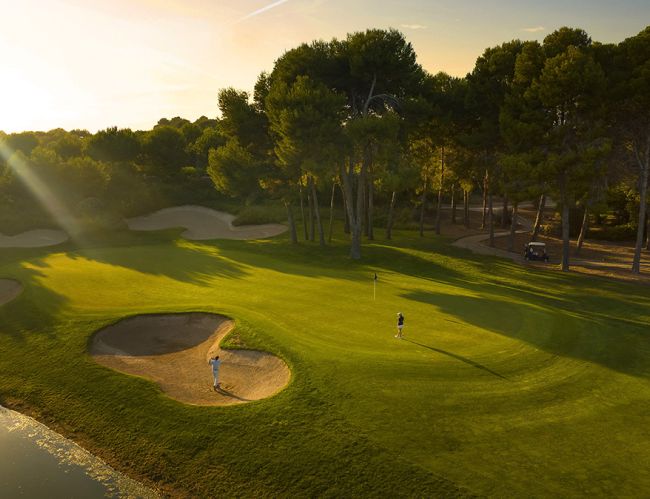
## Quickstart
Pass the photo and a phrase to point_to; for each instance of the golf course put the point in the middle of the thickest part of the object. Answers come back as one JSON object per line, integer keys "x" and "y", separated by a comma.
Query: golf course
{"x": 510, "y": 381}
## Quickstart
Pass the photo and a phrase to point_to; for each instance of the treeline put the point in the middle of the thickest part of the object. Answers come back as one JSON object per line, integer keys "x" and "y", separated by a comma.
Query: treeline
{"x": 102, "y": 178}
{"x": 566, "y": 118}
{"x": 360, "y": 120}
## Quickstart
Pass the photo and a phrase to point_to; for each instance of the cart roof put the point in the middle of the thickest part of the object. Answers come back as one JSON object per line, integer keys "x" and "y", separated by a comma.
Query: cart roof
{"x": 541, "y": 245}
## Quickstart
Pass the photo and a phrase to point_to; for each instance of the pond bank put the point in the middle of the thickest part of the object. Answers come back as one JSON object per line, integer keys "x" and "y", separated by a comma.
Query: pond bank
{"x": 38, "y": 462}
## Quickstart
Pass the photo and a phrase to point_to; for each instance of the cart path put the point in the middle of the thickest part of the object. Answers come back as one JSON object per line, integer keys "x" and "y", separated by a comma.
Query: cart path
{"x": 474, "y": 244}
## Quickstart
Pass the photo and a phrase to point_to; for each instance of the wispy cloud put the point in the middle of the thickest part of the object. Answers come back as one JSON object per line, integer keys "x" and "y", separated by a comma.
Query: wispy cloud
{"x": 536, "y": 29}
{"x": 413, "y": 26}
{"x": 263, "y": 9}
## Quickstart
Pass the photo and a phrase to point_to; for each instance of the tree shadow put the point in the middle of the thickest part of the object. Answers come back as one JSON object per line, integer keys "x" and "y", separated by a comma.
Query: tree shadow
{"x": 181, "y": 261}
{"x": 567, "y": 332}
{"x": 458, "y": 357}
{"x": 37, "y": 309}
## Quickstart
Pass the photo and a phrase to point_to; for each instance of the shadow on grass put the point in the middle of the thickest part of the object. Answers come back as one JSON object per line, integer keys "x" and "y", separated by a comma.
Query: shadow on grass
{"x": 37, "y": 309}
{"x": 565, "y": 332}
{"x": 458, "y": 357}
{"x": 181, "y": 261}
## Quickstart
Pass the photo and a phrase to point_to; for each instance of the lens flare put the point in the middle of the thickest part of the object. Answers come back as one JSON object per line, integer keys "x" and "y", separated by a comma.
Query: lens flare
{"x": 40, "y": 190}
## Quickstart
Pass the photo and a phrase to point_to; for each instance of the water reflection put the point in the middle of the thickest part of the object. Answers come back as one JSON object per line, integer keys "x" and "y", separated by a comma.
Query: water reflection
{"x": 37, "y": 462}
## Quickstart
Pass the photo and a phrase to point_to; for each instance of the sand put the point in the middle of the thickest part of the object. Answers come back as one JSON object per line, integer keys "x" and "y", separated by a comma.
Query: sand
{"x": 202, "y": 223}
{"x": 173, "y": 350}
{"x": 34, "y": 239}
{"x": 9, "y": 289}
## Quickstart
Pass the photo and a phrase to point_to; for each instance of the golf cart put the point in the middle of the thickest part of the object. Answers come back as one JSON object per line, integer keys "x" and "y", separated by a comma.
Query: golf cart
{"x": 535, "y": 251}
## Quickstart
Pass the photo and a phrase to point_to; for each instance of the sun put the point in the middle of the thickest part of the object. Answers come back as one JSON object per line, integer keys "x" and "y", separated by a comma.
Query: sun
{"x": 24, "y": 103}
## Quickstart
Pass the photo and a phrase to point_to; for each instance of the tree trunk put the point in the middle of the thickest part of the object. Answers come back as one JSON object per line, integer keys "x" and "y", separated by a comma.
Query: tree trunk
{"x": 453, "y": 203}
{"x": 513, "y": 226}
{"x": 491, "y": 219}
{"x": 292, "y": 223}
{"x": 319, "y": 222}
{"x": 485, "y": 196}
{"x": 583, "y": 229}
{"x": 310, "y": 210}
{"x": 302, "y": 212}
{"x": 644, "y": 166}
{"x": 442, "y": 181}
{"x": 504, "y": 213}
{"x": 538, "y": 218}
{"x": 466, "y": 208}
{"x": 356, "y": 228}
{"x": 329, "y": 231}
{"x": 423, "y": 203}
{"x": 365, "y": 212}
{"x": 371, "y": 207}
{"x": 647, "y": 230}
{"x": 355, "y": 223}
{"x": 565, "y": 227}
{"x": 346, "y": 225}
{"x": 389, "y": 225}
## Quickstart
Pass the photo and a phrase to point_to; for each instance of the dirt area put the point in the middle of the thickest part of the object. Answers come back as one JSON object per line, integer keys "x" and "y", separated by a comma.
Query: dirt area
{"x": 34, "y": 239}
{"x": 9, "y": 289}
{"x": 596, "y": 257}
{"x": 203, "y": 223}
{"x": 173, "y": 350}
{"x": 602, "y": 258}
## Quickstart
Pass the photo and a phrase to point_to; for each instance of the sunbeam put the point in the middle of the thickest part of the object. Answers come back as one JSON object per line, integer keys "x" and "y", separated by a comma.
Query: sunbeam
{"x": 40, "y": 190}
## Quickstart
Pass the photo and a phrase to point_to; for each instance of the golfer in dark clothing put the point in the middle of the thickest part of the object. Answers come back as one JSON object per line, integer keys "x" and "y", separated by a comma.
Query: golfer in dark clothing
{"x": 400, "y": 325}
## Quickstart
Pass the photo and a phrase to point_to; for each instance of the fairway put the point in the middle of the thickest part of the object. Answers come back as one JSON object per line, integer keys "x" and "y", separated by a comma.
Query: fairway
{"x": 509, "y": 381}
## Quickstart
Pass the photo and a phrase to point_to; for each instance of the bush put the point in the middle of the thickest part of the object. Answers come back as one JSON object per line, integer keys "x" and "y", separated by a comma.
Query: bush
{"x": 626, "y": 232}
{"x": 257, "y": 215}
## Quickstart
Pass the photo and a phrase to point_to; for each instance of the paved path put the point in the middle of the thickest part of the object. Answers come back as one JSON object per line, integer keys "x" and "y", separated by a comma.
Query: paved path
{"x": 473, "y": 243}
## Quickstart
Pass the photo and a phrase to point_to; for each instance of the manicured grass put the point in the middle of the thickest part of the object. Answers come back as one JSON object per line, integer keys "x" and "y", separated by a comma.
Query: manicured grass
{"x": 510, "y": 382}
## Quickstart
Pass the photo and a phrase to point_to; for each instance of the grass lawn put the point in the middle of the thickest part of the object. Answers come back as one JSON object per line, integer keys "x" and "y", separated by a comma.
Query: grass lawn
{"x": 510, "y": 382}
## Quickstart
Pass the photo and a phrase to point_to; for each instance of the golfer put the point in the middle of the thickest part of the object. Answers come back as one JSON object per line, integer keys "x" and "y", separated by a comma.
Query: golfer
{"x": 400, "y": 325}
{"x": 215, "y": 363}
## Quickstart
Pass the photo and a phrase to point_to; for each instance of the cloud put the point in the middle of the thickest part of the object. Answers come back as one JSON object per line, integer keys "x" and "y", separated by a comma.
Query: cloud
{"x": 536, "y": 29}
{"x": 263, "y": 9}
{"x": 413, "y": 26}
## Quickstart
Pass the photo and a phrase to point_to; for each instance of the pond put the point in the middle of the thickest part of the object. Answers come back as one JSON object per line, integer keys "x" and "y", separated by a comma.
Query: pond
{"x": 37, "y": 462}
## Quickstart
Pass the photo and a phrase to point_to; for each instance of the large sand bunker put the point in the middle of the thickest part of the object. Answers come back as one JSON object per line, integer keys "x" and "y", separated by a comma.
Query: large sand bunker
{"x": 173, "y": 350}
{"x": 9, "y": 289}
{"x": 203, "y": 223}
{"x": 34, "y": 239}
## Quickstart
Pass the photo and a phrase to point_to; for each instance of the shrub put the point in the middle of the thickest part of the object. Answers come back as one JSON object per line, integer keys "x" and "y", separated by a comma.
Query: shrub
{"x": 257, "y": 215}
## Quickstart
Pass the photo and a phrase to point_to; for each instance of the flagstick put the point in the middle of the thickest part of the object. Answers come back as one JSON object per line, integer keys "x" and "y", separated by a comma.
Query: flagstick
{"x": 374, "y": 289}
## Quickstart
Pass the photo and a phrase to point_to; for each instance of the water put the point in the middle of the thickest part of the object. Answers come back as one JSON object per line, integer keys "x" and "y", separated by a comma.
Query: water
{"x": 36, "y": 462}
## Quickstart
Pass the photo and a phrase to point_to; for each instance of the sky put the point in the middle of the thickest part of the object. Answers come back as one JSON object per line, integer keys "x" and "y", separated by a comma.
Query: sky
{"x": 98, "y": 63}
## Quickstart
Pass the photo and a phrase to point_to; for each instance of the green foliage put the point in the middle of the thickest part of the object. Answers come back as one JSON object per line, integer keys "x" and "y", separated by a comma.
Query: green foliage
{"x": 234, "y": 170}
{"x": 164, "y": 150}
{"x": 305, "y": 119}
{"x": 210, "y": 138}
{"x": 257, "y": 215}
{"x": 115, "y": 145}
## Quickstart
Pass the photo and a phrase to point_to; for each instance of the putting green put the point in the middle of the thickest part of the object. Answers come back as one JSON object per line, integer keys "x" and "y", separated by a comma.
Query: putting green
{"x": 509, "y": 382}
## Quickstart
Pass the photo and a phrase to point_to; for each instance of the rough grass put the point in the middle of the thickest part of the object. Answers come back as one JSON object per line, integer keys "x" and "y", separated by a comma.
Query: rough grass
{"x": 510, "y": 382}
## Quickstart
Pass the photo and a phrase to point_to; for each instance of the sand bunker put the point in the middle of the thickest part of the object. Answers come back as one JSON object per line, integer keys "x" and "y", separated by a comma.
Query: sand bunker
{"x": 203, "y": 223}
{"x": 9, "y": 289}
{"x": 34, "y": 239}
{"x": 173, "y": 350}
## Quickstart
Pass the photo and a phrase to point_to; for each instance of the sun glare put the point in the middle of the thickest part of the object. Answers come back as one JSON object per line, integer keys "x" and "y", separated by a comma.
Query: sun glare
{"x": 40, "y": 190}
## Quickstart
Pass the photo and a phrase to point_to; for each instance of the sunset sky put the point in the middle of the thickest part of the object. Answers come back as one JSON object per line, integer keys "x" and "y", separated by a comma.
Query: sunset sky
{"x": 93, "y": 64}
